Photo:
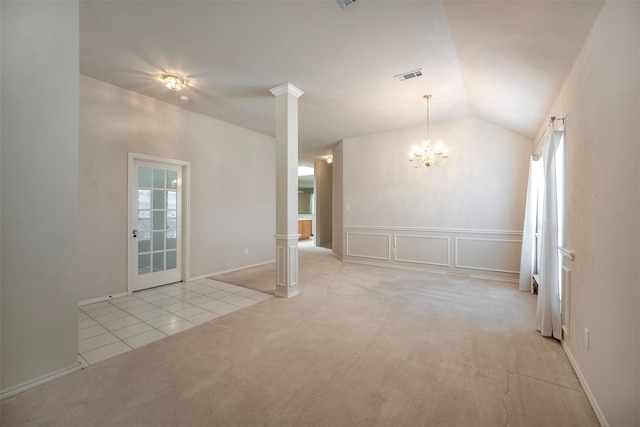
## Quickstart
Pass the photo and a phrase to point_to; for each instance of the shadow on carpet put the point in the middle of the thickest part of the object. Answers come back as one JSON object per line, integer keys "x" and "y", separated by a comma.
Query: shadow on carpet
{"x": 260, "y": 278}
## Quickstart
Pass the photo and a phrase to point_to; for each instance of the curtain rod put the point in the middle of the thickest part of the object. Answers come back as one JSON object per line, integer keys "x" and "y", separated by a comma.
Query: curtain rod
{"x": 551, "y": 120}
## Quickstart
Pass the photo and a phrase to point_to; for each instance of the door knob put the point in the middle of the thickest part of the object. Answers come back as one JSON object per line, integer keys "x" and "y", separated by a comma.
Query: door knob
{"x": 135, "y": 233}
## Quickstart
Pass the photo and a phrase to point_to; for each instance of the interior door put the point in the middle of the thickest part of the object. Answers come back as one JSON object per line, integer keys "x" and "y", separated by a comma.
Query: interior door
{"x": 155, "y": 231}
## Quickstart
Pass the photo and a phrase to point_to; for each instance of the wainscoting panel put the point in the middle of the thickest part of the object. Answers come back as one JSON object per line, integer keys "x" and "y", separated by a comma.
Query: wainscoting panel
{"x": 483, "y": 253}
{"x": 281, "y": 263}
{"x": 429, "y": 250}
{"x": 488, "y": 254}
{"x": 368, "y": 245}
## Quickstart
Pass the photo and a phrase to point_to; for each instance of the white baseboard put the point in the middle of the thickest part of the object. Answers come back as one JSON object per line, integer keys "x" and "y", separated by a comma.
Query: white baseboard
{"x": 12, "y": 391}
{"x": 585, "y": 386}
{"x": 427, "y": 270}
{"x": 398, "y": 266}
{"x": 495, "y": 279}
{"x": 104, "y": 298}
{"x": 205, "y": 276}
{"x": 193, "y": 279}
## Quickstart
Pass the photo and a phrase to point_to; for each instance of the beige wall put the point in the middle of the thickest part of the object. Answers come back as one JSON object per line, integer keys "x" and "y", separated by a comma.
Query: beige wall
{"x": 465, "y": 216}
{"x": 601, "y": 98}
{"x": 232, "y": 184}
{"x": 337, "y": 199}
{"x": 323, "y": 194}
{"x": 39, "y": 132}
{"x": 482, "y": 186}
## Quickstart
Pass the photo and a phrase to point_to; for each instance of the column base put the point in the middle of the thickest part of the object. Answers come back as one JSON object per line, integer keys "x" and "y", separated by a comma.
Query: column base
{"x": 287, "y": 266}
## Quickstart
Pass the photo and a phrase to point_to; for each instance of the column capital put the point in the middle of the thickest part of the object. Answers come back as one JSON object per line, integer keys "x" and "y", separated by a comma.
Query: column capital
{"x": 288, "y": 88}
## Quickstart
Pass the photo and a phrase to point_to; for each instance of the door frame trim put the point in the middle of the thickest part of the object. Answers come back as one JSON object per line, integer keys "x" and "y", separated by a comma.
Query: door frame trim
{"x": 186, "y": 210}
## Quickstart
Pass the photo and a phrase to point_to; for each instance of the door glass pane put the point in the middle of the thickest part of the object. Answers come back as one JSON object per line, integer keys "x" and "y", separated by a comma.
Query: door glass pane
{"x": 171, "y": 260}
{"x": 172, "y": 179}
{"x": 144, "y": 224}
{"x": 158, "y": 220}
{"x": 144, "y": 199}
{"x": 172, "y": 200}
{"x": 144, "y": 242}
{"x": 158, "y": 261}
{"x": 158, "y": 199}
{"x": 144, "y": 264}
{"x": 172, "y": 223}
{"x": 158, "y": 178}
{"x": 144, "y": 177}
{"x": 144, "y": 214}
{"x": 171, "y": 239}
{"x": 158, "y": 240}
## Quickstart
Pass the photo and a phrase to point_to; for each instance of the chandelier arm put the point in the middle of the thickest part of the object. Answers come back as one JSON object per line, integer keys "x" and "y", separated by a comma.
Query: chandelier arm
{"x": 415, "y": 161}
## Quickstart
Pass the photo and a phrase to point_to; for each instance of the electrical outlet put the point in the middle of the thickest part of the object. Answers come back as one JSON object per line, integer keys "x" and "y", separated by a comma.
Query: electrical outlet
{"x": 586, "y": 338}
{"x": 246, "y": 251}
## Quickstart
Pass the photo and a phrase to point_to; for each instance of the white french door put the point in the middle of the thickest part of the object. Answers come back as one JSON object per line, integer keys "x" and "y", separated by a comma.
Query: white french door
{"x": 155, "y": 223}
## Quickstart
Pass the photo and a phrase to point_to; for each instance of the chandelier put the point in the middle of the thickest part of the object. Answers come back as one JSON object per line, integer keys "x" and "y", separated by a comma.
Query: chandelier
{"x": 427, "y": 155}
{"x": 173, "y": 82}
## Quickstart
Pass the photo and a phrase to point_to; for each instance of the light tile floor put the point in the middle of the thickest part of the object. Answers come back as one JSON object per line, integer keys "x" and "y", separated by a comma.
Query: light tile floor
{"x": 115, "y": 326}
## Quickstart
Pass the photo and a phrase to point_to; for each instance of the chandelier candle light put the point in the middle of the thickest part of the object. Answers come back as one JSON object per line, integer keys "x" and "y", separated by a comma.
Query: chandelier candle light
{"x": 426, "y": 155}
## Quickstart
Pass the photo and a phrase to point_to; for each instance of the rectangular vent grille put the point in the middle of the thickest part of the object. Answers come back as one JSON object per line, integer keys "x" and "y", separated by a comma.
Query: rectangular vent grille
{"x": 409, "y": 75}
{"x": 345, "y": 3}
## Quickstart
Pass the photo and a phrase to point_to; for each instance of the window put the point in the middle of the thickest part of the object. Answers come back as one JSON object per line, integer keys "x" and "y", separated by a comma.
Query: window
{"x": 560, "y": 196}
{"x": 537, "y": 176}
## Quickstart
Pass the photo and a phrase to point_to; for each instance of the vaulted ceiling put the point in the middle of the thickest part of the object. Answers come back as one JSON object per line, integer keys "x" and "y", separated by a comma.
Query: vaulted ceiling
{"x": 500, "y": 61}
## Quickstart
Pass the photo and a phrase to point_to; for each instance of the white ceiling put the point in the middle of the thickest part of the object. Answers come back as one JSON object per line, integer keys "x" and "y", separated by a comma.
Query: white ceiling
{"x": 501, "y": 61}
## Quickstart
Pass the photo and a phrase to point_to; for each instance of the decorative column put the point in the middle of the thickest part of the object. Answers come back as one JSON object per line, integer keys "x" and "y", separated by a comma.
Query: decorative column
{"x": 286, "y": 189}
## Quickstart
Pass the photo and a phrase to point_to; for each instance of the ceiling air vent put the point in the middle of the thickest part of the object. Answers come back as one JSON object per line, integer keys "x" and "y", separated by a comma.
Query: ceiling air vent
{"x": 345, "y": 3}
{"x": 409, "y": 75}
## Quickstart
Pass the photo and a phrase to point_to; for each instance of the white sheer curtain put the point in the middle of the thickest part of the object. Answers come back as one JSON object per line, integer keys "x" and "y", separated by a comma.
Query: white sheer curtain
{"x": 528, "y": 231}
{"x": 548, "y": 320}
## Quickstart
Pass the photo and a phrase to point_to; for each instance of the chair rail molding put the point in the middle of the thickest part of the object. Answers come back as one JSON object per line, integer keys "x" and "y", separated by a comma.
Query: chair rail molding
{"x": 433, "y": 229}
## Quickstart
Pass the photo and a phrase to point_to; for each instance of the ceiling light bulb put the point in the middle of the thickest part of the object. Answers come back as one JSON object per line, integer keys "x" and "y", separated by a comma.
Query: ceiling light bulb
{"x": 173, "y": 82}
{"x": 330, "y": 159}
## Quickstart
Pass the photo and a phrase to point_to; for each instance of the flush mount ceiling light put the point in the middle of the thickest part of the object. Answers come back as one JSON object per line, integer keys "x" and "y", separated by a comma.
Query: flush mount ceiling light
{"x": 173, "y": 82}
{"x": 427, "y": 155}
{"x": 330, "y": 159}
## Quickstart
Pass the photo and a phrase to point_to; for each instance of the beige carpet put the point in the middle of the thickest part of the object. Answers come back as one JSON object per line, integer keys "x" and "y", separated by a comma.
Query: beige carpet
{"x": 361, "y": 346}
